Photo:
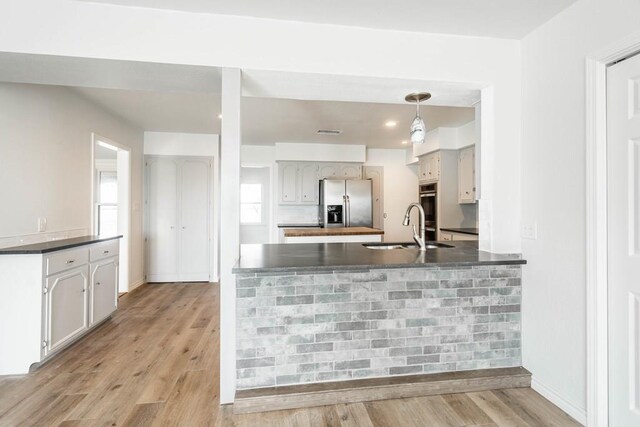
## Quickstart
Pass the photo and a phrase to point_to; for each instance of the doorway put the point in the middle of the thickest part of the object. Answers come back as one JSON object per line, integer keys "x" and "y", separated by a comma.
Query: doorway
{"x": 255, "y": 206}
{"x": 111, "y": 198}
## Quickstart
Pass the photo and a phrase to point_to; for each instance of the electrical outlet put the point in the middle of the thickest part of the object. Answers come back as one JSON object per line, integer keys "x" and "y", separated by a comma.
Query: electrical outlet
{"x": 530, "y": 231}
{"x": 42, "y": 224}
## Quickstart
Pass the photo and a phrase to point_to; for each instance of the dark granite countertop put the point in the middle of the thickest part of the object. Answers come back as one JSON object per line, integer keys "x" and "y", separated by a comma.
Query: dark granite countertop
{"x": 354, "y": 256}
{"x": 473, "y": 231}
{"x": 54, "y": 245}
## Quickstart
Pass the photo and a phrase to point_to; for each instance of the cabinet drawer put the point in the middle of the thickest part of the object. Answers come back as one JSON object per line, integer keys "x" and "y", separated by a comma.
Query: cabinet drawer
{"x": 104, "y": 250}
{"x": 65, "y": 260}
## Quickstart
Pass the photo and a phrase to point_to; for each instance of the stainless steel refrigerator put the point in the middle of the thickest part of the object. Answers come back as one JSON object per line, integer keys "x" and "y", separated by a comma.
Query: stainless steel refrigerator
{"x": 346, "y": 203}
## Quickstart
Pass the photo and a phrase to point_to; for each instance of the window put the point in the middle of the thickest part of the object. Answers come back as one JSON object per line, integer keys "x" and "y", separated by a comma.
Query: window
{"x": 107, "y": 209}
{"x": 251, "y": 203}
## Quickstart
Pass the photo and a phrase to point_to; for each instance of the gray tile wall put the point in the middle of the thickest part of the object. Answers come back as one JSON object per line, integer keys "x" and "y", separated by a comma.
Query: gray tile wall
{"x": 345, "y": 325}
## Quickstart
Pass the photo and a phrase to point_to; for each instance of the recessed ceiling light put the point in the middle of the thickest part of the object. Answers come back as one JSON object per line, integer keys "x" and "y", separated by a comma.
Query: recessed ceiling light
{"x": 405, "y": 142}
{"x": 391, "y": 124}
{"x": 219, "y": 116}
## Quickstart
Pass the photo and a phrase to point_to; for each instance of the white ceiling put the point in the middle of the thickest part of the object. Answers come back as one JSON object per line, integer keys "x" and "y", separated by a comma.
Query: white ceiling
{"x": 487, "y": 18}
{"x": 189, "y": 112}
{"x": 327, "y": 87}
{"x": 107, "y": 73}
{"x": 266, "y": 121}
{"x": 105, "y": 153}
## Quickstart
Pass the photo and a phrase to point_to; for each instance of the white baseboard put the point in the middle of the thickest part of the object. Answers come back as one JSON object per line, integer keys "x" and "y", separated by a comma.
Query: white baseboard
{"x": 579, "y": 414}
{"x": 135, "y": 284}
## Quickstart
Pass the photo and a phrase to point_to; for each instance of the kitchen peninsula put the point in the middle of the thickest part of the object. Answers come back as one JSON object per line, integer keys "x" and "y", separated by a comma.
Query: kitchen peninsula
{"x": 311, "y": 313}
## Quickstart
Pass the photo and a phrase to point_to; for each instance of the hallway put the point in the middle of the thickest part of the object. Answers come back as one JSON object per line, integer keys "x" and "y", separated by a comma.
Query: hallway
{"x": 156, "y": 363}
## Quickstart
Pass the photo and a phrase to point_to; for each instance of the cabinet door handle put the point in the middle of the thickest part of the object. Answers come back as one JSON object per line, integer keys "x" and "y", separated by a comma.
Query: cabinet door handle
{"x": 71, "y": 261}
{"x": 84, "y": 290}
{"x": 105, "y": 252}
{"x": 98, "y": 283}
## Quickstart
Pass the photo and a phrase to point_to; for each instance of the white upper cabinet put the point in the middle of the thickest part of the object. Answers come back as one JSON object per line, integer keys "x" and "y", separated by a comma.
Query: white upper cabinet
{"x": 466, "y": 175}
{"x": 288, "y": 182}
{"x": 298, "y": 182}
{"x": 309, "y": 186}
{"x": 350, "y": 171}
{"x": 429, "y": 167}
{"x": 328, "y": 171}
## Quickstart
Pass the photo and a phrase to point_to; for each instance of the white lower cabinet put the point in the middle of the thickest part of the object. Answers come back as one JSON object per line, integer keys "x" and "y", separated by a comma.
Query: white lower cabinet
{"x": 104, "y": 290}
{"x": 80, "y": 296}
{"x": 66, "y": 307}
{"x": 53, "y": 299}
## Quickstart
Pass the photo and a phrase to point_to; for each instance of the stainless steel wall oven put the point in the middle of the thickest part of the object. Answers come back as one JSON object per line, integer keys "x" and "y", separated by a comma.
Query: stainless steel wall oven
{"x": 429, "y": 202}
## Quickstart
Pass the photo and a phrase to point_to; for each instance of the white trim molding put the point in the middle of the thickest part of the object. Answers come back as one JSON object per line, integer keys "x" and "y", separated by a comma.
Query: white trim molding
{"x": 596, "y": 231}
{"x": 137, "y": 283}
{"x": 578, "y": 414}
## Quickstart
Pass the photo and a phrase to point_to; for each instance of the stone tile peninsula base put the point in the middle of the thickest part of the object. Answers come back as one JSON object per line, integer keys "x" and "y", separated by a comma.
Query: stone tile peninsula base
{"x": 321, "y": 326}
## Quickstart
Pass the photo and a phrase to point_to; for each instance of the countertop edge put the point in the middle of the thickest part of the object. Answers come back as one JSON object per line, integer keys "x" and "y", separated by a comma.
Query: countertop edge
{"x": 325, "y": 232}
{"x": 356, "y": 268}
{"x": 15, "y": 250}
{"x": 460, "y": 231}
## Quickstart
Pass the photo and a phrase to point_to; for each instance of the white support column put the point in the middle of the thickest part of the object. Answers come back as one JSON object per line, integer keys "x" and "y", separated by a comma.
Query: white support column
{"x": 484, "y": 173}
{"x": 229, "y": 227}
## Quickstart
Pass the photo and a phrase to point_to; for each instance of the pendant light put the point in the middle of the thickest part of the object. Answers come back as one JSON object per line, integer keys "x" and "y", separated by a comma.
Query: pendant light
{"x": 418, "y": 129}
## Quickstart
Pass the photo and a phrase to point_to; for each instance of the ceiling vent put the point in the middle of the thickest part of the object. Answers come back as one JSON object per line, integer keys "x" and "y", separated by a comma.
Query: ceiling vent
{"x": 329, "y": 132}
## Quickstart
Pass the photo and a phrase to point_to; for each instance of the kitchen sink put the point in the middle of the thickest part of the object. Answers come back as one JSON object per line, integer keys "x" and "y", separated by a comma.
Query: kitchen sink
{"x": 391, "y": 246}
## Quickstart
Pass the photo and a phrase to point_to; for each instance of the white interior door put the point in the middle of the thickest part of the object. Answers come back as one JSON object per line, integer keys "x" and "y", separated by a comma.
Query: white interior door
{"x": 162, "y": 229}
{"x": 194, "y": 220}
{"x": 623, "y": 157}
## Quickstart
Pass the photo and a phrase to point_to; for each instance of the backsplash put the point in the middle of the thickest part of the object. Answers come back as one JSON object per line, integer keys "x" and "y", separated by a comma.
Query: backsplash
{"x": 27, "y": 239}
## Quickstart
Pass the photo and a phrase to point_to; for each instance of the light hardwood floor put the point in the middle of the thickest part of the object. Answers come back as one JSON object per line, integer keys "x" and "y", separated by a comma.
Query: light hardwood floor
{"x": 156, "y": 363}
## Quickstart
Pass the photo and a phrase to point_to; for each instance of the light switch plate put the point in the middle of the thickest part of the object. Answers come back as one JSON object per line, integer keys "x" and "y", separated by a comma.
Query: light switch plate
{"x": 42, "y": 224}
{"x": 530, "y": 231}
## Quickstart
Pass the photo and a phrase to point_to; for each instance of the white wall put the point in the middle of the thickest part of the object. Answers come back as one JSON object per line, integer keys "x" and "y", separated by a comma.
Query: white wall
{"x": 400, "y": 189}
{"x": 199, "y": 145}
{"x": 287, "y": 151}
{"x": 326, "y": 49}
{"x": 46, "y": 166}
{"x": 181, "y": 144}
{"x": 553, "y": 188}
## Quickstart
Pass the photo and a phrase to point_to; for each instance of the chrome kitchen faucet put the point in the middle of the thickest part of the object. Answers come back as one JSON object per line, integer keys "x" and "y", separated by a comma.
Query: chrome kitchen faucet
{"x": 420, "y": 239}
